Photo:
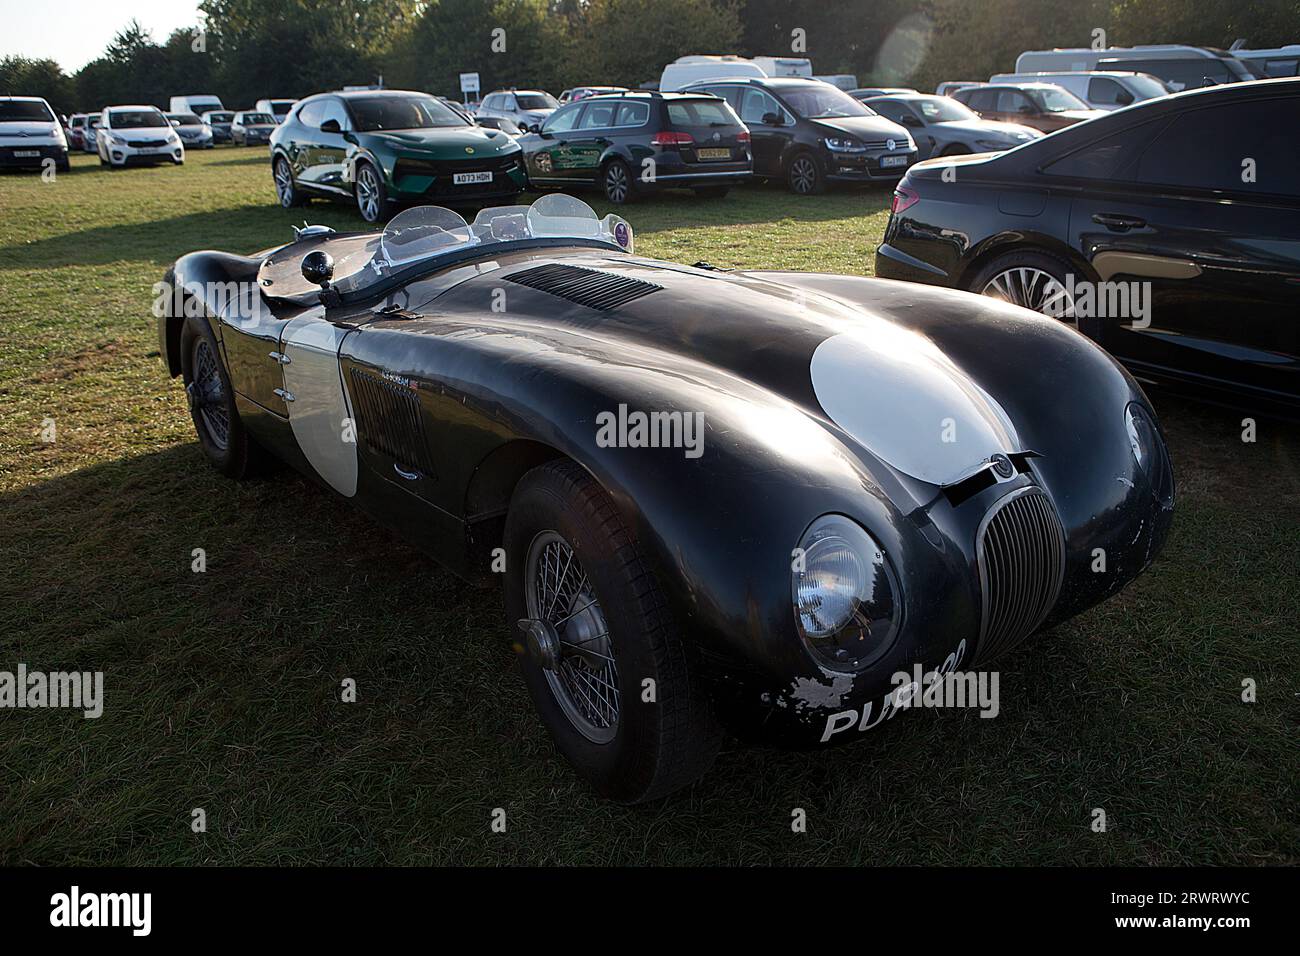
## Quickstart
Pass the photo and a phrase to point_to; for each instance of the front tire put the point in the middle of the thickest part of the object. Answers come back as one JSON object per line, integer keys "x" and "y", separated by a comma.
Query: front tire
{"x": 370, "y": 194}
{"x": 805, "y": 176}
{"x": 598, "y": 634}
{"x": 221, "y": 433}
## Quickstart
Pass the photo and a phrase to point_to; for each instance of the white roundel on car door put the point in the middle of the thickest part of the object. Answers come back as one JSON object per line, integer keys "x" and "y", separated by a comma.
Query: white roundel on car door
{"x": 319, "y": 413}
{"x": 896, "y": 393}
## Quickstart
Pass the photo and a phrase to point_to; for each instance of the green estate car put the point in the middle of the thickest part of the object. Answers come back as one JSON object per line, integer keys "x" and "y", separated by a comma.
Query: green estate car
{"x": 384, "y": 147}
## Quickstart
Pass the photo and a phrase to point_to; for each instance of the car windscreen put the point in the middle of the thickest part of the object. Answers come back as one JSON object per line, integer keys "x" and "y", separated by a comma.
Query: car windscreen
{"x": 136, "y": 119}
{"x": 536, "y": 101}
{"x": 943, "y": 109}
{"x": 1054, "y": 99}
{"x": 258, "y": 119}
{"x": 705, "y": 112}
{"x": 1147, "y": 87}
{"x": 220, "y": 117}
{"x": 822, "y": 101}
{"x": 376, "y": 113}
{"x": 185, "y": 119}
{"x": 24, "y": 111}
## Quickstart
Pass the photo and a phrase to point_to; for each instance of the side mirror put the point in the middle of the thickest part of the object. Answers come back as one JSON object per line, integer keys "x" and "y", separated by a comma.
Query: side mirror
{"x": 175, "y": 122}
{"x": 331, "y": 126}
{"x": 318, "y": 268}
{"x": 772, "y": 119}
{"x": 541, "y": 132}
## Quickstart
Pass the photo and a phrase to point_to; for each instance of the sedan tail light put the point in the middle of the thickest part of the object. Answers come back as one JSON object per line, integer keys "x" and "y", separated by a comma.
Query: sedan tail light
{"x": 904, "y": 198}
{"x": 670, "y": 138}
{"x": 742, "y": 136}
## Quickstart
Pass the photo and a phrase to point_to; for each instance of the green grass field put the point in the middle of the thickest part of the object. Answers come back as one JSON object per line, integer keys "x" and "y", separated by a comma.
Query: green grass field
{"x": 222, "y": 688}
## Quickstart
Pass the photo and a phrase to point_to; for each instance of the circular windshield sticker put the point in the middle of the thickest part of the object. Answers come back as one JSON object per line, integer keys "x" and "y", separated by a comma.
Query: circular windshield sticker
{"x": 622, "y": 234}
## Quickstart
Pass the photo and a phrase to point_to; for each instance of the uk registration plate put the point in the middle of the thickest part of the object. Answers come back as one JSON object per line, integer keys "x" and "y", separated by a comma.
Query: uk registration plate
{"x": 27, "y": 153}
{"x": 465, "y": 179}
{"x": 711, "y": 153}
{"x": 893, "y": 161}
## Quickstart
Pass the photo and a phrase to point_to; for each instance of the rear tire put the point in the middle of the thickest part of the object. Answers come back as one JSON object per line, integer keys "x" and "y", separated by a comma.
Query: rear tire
{"x": 618, "y": 182}
{"x": 225, "y": 442}
{"x": 590, "y": 694}
{"x": 286, "y": 190}
{"x": 1031, "y": 279}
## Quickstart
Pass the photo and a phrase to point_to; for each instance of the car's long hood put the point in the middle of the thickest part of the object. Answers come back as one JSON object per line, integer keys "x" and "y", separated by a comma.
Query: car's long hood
{"x": 989, "y": 128}
{"x": 453, "y": 142}
{"x": 866, "y": 127}
{"x": 862, "y": 357}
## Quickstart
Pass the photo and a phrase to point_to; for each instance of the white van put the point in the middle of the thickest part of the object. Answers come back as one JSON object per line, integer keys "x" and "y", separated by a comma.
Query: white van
{"x": 196, "y": 103}
{"x": 784, "y": 65}
{"x": 841, "y": 81}
{"x": 690, "y": 69}
{"x": 1102, "y": 90}
{"x": 1279, "y": 61}
{"x": 279, "y": 109}
{"x": 1178, "y": 67}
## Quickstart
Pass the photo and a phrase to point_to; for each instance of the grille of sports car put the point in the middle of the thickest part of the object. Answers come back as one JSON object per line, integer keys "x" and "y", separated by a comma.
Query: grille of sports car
{"x": 593, "y": 288}
{"x": 445, "y": 167}
{"x": 389, "y": 420}
{"x": 1021, "y": 562}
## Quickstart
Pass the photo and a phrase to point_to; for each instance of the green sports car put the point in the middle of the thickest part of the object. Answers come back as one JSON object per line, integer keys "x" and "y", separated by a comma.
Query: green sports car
{"x": 380, "y": 148}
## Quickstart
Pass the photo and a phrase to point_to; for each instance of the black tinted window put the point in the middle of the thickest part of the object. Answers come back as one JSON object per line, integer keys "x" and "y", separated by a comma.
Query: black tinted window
{"x": 981, "y": 101}
{"x": 632, "y": 114}
{"x": 890, "y": 109}
{"x": 1104, "y": 90}
{"x": 1112, "y": 157}
{"x": 1220, "y": 146}
{"x": 599, "y": 115}
{"x": 18, "y": 111}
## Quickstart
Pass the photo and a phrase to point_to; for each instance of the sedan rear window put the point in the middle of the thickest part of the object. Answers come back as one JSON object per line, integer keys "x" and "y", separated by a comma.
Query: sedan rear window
{"x": 24, "y": 111}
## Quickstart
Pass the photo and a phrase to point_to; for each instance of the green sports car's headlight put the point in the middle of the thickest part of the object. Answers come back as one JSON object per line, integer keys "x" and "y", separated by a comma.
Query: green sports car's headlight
{"x": 846, "y": 600}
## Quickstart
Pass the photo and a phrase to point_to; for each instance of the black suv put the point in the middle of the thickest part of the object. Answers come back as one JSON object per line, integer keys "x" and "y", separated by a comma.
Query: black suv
{"x": 636, "y": 142}
{"x": 809, "y": 133}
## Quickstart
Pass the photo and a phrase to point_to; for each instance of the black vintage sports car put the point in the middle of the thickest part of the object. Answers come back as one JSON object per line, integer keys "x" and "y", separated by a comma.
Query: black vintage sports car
{"x": 716, "y": 499}
{"x": 1169, "y": 232}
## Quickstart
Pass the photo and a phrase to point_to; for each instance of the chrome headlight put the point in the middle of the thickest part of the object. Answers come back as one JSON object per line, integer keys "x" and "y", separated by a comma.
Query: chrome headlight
{"x": 847, "y": 603}
{"x": 1149, "y": 451}
{"x": 843, "y": 144}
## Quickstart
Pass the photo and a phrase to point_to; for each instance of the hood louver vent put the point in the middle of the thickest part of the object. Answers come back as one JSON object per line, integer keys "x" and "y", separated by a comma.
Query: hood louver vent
{"x": 593, "y": 288}
{"x": 389, "y": 420}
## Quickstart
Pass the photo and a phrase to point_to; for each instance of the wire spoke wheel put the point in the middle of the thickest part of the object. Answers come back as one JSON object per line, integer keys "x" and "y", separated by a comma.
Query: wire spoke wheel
{"x": 584, "y": 676}
{"x": 208, "y": 393}
{"x": 1032, "y": 288}
{"x": 368, "y": 194}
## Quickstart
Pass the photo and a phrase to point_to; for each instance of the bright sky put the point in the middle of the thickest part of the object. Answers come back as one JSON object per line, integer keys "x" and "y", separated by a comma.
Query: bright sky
{"x": 74, "y": 32}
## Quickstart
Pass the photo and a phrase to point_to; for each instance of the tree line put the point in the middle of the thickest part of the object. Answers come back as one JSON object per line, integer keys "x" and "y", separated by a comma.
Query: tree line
{"x": 245, "y": 50}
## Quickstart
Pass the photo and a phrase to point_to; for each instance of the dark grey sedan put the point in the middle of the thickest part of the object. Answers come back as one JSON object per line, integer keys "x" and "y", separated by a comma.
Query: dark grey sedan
{"x": 942, "y": 126}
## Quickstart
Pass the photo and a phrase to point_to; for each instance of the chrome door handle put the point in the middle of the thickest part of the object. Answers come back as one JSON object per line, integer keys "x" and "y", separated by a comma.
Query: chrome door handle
{"x": 281, "y": 358}
{"x": 284, "y": 393}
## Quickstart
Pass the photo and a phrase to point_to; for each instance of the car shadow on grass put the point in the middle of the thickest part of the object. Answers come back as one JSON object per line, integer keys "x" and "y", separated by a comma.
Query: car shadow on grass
{"x": 224, "y": 691}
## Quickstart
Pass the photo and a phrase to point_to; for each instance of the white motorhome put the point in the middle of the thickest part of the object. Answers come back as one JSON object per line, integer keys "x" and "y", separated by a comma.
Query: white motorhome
{"x": 196, "y": 103}
{"x": 1101, "y": 90}
{"x": 691, "y": 69}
